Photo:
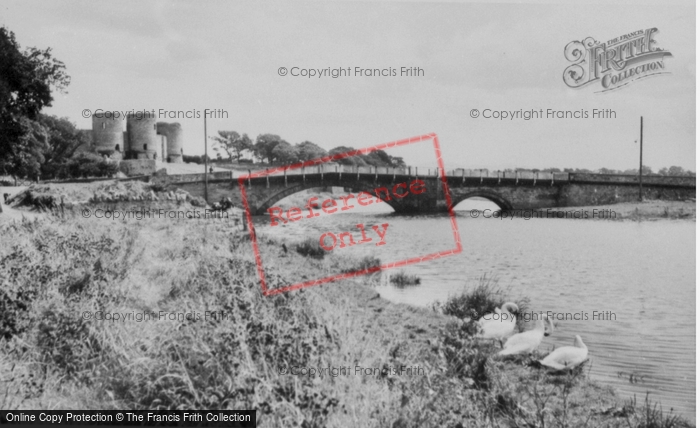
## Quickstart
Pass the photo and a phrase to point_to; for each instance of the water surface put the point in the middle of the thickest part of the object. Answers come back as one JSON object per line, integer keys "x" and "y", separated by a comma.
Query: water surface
{"x": 637, "y": 277}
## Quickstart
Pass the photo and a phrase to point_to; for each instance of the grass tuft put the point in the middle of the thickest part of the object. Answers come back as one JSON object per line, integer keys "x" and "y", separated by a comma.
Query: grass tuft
{"x": 402, "y": 279}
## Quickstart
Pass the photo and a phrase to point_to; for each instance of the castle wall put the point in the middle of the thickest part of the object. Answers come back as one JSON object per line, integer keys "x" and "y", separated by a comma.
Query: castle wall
{"x": 173, "y": 133}
{"x": 135, "y": 167}
{"x": 107, "y": 134}
{"x": 143, "y": 137}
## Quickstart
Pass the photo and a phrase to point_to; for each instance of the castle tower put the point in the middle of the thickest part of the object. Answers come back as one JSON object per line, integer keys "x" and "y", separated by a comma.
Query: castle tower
{"x": 107, "y": 136}
{"x": 143, "y": 137}
{"x": 173, "y": 133}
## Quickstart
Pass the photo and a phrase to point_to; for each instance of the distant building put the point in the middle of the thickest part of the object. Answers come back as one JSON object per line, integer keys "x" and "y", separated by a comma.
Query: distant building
{"x": 144, "y": 138}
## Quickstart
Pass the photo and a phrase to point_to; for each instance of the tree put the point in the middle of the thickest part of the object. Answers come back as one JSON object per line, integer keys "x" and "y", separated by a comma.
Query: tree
{"x": 397, "y": 162}
{"x": 63, "y": 141}
{"x": 26, "y": 80}
{"x": 28, "y": 152}
{"x": 356, "y": 160}
{"x": 675, "y": 171}
{"x": 233, "y": 144}
{"x": 373, "y": 159}
{"x": 89, "y": 165}
{"x": 264, "y": 145}
{"x": 285, "y": 153}
{"x": 308, "y": 151}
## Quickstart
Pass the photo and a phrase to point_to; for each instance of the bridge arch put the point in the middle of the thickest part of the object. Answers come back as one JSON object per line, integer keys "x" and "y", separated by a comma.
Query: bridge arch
{"x": 492, "y": 196}
{"x": 300, "y": 187}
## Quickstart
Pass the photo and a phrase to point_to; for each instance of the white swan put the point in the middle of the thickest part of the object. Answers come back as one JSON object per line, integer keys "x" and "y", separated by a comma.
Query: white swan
{"x": 499, "y": 324}
{"x": 567, "y": 357}
{"x": 528, "y": 341}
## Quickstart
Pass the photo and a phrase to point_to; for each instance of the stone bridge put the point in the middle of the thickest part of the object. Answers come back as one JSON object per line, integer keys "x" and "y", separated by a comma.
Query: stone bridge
{"x": 408, "y": 190}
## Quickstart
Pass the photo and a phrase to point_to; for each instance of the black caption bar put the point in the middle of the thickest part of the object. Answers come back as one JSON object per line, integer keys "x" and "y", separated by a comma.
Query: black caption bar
{"x": 171, "y": 418}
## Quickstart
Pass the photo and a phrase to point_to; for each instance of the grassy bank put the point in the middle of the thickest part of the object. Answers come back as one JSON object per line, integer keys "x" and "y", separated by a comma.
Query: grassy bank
{"x": 638, "y": 211}
{"x": 238, "y": 349}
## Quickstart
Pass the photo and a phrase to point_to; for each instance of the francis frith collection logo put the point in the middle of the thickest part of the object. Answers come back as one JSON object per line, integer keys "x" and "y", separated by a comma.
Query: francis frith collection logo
{"x": 615, "y": 63}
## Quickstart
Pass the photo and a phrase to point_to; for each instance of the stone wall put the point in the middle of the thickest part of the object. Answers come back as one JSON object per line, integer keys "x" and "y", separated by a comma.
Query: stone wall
{"x": 631, "y": 179}
{"x": 137, "y": 167}
{"x": 165, "y": 180}
{"x": 577, "y": 195}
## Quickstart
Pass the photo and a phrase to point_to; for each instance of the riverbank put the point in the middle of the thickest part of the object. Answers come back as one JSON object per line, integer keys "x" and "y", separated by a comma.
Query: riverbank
{"x": 636, "y": 211}
{"x": 213, "y": 341}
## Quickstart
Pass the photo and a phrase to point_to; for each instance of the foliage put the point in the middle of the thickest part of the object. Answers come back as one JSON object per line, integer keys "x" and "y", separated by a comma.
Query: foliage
{"x": 357, "y": 160}
{"x": 64, "y": 138}
{"x": 311, "y": 248}
{"x": 26, "y": 80}
{"x": 377, "y": 158}
{"x": 26, "y": 154}
{"x": 285, "y": 153}
{"x": 307, "y": 151}
{"x": 228, "y": 358}
{"x": 264, "y": 146}
{"x": 86, "y": 165}
{"x": 402, "y": 279}
{"x": 470, "y": 305}
{"x": 233, "y": 144}
{"x": 195, "y": 159}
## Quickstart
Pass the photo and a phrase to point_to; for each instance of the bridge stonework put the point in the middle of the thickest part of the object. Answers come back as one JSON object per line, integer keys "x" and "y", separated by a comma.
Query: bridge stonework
{"x": 508, "y": 193}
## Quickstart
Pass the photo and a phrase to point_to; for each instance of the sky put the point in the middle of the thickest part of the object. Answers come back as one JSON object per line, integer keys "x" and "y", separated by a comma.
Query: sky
{"x": 189, "y": 56}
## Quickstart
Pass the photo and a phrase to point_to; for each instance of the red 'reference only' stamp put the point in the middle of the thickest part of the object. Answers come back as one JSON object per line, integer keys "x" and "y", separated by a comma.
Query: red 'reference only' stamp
{"x": 410, "y": 187}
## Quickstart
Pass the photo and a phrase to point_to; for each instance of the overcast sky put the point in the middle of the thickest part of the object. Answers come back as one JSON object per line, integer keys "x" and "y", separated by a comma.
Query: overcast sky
{"x": 183, "y": 56}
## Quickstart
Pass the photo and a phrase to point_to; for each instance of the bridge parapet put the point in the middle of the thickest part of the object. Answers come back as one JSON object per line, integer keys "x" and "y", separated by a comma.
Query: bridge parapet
{"x": 633, "y": 179}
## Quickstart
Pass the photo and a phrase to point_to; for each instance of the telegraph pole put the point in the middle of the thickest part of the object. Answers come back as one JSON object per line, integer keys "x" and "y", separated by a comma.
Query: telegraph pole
{"x": 206, "y": 161}
{"x": 641, "y": 139}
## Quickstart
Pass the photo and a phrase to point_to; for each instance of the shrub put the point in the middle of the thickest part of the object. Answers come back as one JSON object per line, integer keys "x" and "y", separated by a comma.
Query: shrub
{"x": 403, "y": 279}
{"x": 474, "y": 303}
{"x": 192, "y": 159}
{"x": 311, "y": 248}
{"x": 86, "y": 165}
{"x": 487, "y": 296}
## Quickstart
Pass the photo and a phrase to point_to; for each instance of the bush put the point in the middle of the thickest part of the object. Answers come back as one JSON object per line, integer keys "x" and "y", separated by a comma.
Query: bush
{"x": 86, "y": 165}
{"x": 485, "y": 298}
{"x": 311, "y": 248}
{"x": 403, "y": 279}
{"x": 473, "y": 304}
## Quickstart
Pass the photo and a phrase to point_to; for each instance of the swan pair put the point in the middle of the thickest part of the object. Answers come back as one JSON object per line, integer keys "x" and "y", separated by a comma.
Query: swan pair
{"x": 502, "y": 324}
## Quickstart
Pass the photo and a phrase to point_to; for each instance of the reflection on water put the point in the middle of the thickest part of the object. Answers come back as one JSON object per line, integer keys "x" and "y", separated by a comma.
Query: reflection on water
{"x": 638, "y": 278}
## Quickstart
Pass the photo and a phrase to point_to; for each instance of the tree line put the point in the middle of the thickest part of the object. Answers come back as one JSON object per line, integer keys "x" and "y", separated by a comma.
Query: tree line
{"x": 673, "y": 171}
{"x": 272, "y": 149}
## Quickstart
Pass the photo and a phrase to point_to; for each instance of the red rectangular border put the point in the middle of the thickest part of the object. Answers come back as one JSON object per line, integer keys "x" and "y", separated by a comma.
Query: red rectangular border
{"x": 298, "y": 286}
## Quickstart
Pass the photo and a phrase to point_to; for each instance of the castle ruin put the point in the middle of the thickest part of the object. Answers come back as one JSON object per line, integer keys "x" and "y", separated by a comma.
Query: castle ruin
{"x": 144, "y": 138}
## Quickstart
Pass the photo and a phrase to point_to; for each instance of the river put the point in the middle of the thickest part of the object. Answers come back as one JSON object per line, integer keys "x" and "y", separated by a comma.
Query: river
{"x": 637, "y": 279}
